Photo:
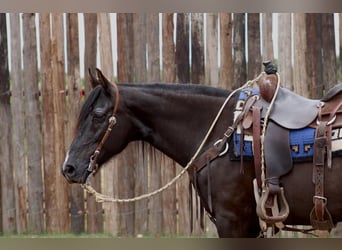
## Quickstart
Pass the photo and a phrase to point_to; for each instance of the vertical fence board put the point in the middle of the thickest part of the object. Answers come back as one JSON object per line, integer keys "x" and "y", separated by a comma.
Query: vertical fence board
{"x": 239, "y": 53}
{"x": 152, "y": 40}
{"x": 254, "y": 51}
{"x": 314, "y": 57}
{"x": 48, "y": 125}
{"x": 211, "y": 72}
{"x": 7, "y": 187}
{"x": 197, "y": 70}
{"x": 211, "y": 65}
{"x": 168, "y": 49}
{"x": 94, "y": 210}
{"x": 226, "y": 70}
{"x": 182, "y": 48}
{"x": 155, "y": 166}
{"x": 58, "y": 79}
{"x": 300, "y": 79}
{"x": 183, "y": 76}
{"x": 125, "y": 165}
{"x": 33, "y": 119}
{"x": 267, "y": 40}
{"x": 74, "y": 102}
{"x": 109, "y": 169}
{"x": 285, "y": 54}
{"x": 18, "y": 133}
{"x": 140, "y": 164}
{"x": 90, "y": 45}
{"x": 171, "y": 197}
{"x": 197, "y": 48}
{"x": 328, "y": 55}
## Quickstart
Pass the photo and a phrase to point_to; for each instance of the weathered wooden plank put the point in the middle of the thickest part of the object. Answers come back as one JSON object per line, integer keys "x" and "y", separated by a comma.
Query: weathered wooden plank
{"x": 51, "y": 220}
{"x": 152, "y": 42}
{"x": 211, "y": 72}
{"x": 182, "y": 48}
{"x": 239, "y": 51}
{"x": 267, "y": 40}
{"x": 18, "y": 133}
{"x": 141, "y": 167}
{"x": 8, "y": 217}
{"x": 211, "y": 64}
{"x": 329, "y": 54}
{"x": 168, "y": 49}
{"x": 197, "y": 48}
{"x": 300, "y": 75}
{"x": 90, "y": 45}
{"x": 183, "y": 76}
{"x": 169, "y": 223}
{"x": 285, "y": 50}
{"x": 94, "y": 210}
{"x": 314, "y": 54}
{"x": 197, "y": 73}
{"x": 155, "y": 167}
{"x": 109, "y": 170}
{"x": 254, "y": 50}
{"x": 58, "y": 79}
{"x": 125, "y": 185}
{"x": 226, "y": 70}
{"x": 33, "y": 132}
{"x": 77, "y": 209}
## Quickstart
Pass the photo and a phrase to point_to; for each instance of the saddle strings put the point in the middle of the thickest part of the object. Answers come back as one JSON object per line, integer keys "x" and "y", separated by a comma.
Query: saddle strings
{"x": 104, "y": 198}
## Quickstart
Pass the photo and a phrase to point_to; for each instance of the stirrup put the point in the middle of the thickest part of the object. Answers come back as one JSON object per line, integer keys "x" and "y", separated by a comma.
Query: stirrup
{"x": 276, "y": 214}
{"x": 324, "y": 225}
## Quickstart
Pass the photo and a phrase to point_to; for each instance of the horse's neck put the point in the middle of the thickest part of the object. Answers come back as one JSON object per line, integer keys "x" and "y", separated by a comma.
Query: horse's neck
{"x": 173, "y": 123}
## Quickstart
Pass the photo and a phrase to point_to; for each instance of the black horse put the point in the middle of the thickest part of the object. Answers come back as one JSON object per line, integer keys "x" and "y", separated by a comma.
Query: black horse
{"x": 174, "y": 118}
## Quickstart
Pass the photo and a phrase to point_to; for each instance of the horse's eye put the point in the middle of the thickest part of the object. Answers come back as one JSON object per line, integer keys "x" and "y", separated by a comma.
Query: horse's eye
{"x": 98, "y": 115}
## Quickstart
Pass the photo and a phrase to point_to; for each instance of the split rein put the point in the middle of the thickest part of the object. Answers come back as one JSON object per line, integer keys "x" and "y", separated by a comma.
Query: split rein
{"x": 93, "y": 166}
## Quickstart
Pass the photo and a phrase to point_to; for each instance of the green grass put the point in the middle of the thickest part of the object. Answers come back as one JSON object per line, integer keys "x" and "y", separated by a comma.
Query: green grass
{"x": 46, "y": 235}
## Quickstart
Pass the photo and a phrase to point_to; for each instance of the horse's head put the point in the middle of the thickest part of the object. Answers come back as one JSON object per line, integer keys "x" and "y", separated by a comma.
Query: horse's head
{"x": 94, "y": 142}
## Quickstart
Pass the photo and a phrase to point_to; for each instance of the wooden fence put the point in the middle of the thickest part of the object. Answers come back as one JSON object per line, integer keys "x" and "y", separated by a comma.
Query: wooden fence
{"x": 40, "y": 101}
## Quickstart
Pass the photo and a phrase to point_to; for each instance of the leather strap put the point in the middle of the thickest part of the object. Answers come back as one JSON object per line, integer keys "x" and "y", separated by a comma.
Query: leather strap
{"x": 257, "y": 143}
{"x": 320, "y": 216}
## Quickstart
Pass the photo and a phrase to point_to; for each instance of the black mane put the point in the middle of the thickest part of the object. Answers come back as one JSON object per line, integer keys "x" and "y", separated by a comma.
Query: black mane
{"x": 180, "y": 88}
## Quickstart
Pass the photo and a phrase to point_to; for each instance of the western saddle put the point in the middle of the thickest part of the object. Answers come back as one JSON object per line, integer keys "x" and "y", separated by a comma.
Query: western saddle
{"x": 268, "y": 116}
{"x": 272, "y": 156}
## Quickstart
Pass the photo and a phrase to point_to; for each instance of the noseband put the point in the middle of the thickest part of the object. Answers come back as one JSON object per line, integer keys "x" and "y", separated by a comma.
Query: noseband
{"x": 93, "y": 166}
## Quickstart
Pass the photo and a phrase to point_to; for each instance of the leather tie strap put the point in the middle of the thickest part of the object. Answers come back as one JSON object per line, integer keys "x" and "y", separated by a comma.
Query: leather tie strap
{"x": 257, "y": 143}
{"x": 320, "y": 217}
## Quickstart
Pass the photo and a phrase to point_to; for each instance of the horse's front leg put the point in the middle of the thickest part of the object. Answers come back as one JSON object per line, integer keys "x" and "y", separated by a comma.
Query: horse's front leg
{"x": 231, "y": 225}
{"x": 232, "y": 199}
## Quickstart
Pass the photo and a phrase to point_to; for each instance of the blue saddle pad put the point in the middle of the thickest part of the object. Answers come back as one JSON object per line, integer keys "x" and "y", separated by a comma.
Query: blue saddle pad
{"x": 301, "y": 144}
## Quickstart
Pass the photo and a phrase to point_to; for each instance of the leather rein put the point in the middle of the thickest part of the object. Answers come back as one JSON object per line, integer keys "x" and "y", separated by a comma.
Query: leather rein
{"x": 93, "y": 165}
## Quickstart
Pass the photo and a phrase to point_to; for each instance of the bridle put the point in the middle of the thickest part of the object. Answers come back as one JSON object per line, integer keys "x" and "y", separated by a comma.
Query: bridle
{"x": 93, "y": 165}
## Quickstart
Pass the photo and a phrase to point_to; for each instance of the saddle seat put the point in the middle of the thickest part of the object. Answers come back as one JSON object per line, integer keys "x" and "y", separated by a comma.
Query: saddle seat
{"x": 291, "y": 111}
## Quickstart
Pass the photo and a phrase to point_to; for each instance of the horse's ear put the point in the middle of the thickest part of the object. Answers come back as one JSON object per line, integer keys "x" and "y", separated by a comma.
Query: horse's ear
{"x": 91, "y": 76}
{"x": 102, "y": 79}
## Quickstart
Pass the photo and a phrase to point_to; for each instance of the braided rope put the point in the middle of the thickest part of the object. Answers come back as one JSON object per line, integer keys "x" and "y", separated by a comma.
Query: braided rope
{"x": 104, "y": 198}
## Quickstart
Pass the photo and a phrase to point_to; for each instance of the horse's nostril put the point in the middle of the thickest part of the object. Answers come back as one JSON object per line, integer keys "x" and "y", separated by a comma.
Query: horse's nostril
{"x": 69, "y": 170}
